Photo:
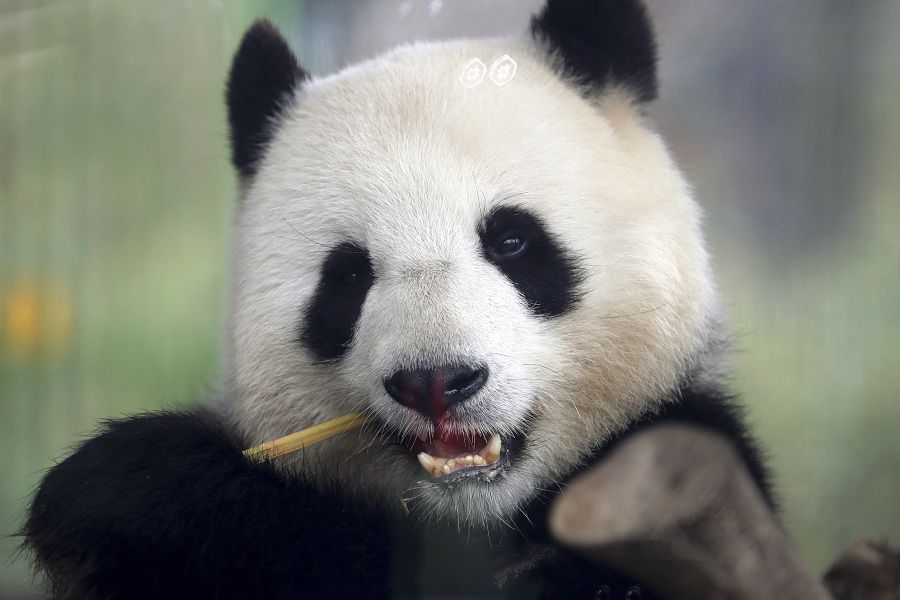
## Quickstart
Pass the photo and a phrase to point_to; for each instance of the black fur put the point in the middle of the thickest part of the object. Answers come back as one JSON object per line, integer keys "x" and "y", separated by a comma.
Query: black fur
{"x": 165, "y": 506}
{"x": 331, "y": 315}
{"x": 545, "y": 273}
{"x": 601, "y": 42}
{"x": 263, "y": 76}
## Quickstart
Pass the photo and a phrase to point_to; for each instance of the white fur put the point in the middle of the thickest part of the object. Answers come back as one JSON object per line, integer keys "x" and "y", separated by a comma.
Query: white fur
{"x": 398, "y": 155}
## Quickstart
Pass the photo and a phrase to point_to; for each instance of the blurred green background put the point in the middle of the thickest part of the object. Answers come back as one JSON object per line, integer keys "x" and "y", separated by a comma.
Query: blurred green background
{"x": 115, "y": 194}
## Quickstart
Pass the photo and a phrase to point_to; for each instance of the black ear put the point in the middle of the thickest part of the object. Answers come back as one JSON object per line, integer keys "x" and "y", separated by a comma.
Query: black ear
{"x": 601, "y": 42}
{"x": 263, "y": 76}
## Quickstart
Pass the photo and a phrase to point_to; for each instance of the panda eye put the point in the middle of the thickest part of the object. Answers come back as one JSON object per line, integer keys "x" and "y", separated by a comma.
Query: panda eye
{"x": 519, "y": 245}
{"x": 351, "y": 279}
{"x": 510, "y": 245}
{"x": 348, "y": 268}
{"x": 345, "y": 278}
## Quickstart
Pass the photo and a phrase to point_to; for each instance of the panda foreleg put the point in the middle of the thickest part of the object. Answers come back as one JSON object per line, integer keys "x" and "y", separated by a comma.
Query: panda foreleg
{"x": 164, "y": 505}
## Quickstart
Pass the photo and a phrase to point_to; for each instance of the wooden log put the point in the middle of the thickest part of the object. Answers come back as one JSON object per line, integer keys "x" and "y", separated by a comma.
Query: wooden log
{"x": 675, "y": 508}
{"x": 868, "y": 570}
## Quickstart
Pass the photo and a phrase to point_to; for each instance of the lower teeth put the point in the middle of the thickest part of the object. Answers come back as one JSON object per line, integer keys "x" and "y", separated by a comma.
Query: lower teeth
{"x": 437, "y": 466}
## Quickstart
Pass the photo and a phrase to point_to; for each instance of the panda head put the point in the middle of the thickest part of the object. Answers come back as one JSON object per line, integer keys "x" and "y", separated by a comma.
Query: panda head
{"x": 506, "y": 274}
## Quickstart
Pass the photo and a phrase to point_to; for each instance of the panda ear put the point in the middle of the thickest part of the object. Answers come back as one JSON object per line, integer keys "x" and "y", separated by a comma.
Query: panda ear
{"x": 264, "y": 74}
{"x": 601, "y": 42}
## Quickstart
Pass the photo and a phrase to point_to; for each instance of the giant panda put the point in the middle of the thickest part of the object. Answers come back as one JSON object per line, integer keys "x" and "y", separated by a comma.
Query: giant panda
{"x": 514, "y": 272}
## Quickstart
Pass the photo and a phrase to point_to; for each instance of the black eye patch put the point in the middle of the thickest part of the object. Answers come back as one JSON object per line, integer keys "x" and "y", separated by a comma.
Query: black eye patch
{"x": 331, "y": 315}
{"x": 537, "y": 264}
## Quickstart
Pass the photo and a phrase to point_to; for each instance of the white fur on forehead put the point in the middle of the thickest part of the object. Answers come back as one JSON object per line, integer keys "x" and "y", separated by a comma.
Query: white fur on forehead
{"x": 399, "y": 156}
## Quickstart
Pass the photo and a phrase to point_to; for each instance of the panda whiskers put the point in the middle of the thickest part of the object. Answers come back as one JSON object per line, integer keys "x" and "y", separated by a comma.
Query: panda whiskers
{"x": 376, "y": 437}
{"x": 326, "y": 247}
{"x": 419, "y": 492}
{"x": 512, "y": 526}
{"x": 569, "y": 399}
{"x": 365, "y": 448}
{"x": 301, "y": 234}
{"x": 525, "y": 514}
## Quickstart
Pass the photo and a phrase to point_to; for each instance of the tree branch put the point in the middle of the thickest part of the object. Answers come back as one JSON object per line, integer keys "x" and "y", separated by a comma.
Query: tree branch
{"x": 675, "y": 508}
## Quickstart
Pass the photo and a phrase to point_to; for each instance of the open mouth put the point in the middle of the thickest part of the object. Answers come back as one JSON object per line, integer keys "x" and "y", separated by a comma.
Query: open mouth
{"x": 445, "y": 455}
{"x": 452, "y": 457}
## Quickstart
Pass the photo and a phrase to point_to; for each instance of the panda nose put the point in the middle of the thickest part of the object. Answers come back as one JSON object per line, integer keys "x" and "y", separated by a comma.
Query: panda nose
{"x": 433, "y": 391}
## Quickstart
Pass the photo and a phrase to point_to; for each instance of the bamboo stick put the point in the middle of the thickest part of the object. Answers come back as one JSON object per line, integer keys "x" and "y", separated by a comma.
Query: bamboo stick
{"x": 305, "y": 437}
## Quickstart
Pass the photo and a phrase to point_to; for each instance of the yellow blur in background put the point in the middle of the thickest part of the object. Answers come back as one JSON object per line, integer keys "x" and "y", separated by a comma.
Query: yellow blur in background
{"x": 115, "y": 196}
{"x": 37, "y": 321}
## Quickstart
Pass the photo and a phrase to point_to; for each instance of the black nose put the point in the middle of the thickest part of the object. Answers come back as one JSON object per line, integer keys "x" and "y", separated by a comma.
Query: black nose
{"x": 433, "y": 391}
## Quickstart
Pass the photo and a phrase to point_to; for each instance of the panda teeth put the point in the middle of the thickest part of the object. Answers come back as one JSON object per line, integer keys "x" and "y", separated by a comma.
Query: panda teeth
{"x": 491, "y": 452}
{"x": 437, "y": 466}
{"x": 429, "y": 463}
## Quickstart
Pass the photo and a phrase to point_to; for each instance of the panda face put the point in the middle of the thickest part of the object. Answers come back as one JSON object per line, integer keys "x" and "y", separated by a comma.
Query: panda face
{"x": 503, "y": 276}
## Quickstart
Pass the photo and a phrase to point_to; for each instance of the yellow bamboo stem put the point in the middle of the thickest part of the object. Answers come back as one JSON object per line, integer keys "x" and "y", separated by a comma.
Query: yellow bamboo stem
{"x": 305, "y": 437}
